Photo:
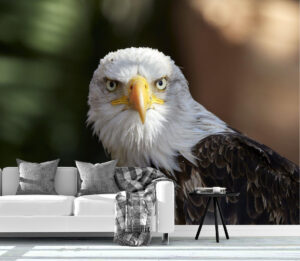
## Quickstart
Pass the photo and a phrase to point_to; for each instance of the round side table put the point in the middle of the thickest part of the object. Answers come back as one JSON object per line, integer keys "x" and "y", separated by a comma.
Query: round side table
{"x": 215, "y": 197}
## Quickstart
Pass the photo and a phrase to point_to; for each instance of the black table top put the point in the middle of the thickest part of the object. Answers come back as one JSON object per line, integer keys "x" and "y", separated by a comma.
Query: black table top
{"x": 227, "y": 194}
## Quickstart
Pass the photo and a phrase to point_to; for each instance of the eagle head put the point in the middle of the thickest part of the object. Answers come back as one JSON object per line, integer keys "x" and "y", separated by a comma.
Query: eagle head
{"x": 141, "y": 109}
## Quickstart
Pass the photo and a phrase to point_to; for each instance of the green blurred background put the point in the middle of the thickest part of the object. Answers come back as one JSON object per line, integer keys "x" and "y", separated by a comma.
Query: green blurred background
{"x": 240, "y": 56}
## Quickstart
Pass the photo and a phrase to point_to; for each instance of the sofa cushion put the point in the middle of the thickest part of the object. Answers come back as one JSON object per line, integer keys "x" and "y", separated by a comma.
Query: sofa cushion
{"x": 95, "y": 205}
{"x": 97, "y": 178}
{"x": 36, "y": 205}
{"x": 37, "y": 178}
{"x": 65, "y": 181}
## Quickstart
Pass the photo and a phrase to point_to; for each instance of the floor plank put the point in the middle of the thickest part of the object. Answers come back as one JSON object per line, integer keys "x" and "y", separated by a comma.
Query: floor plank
{"x": 92, "y": 249}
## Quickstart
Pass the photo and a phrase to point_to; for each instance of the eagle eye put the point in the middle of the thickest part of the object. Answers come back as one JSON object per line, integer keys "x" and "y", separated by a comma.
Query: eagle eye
{"x": 111, "y": 85}
{"x": 161, "y": 83}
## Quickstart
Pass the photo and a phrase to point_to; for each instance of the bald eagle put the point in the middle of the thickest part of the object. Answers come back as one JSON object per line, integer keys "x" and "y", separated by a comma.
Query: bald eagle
{"x": 142, "y": 111}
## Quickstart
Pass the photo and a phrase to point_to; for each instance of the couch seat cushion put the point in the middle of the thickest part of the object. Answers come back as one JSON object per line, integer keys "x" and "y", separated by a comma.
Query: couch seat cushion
{"x": 95, "y": 205}
{"x": 36, "y": 205}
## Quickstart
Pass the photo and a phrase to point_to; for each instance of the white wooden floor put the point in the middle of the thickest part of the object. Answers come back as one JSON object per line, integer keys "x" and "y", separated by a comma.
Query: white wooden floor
{"x": 92, "y": 249}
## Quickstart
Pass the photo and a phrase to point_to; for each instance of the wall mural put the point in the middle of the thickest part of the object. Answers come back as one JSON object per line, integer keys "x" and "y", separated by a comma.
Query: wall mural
{"x": 144, "y": 115}
{"x": 201, "y": 120}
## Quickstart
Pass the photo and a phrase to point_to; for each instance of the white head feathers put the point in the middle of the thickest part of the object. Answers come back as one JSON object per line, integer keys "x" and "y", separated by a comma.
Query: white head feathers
{"x": 170, "y": 129}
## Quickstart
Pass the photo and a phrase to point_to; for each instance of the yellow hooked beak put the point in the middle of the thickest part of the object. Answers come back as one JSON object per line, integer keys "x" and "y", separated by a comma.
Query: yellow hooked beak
{"x": 139, "y": 96}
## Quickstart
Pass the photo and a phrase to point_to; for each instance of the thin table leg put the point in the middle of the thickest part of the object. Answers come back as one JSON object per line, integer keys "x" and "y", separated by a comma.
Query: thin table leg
{"x": 222, "y": 218}
{"x": 202, "y": 219}
{"x": 216, "y": 220}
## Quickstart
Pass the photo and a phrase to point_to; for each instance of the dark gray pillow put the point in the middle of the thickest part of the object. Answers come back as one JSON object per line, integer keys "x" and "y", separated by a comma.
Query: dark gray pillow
{"x": 37, "y": 178}
{"x": 98, "y": 178}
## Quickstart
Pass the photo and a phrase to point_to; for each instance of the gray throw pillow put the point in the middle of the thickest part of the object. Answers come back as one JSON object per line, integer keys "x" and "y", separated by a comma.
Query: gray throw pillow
{"x": 98, "y": 178}
{"x": 37, "y": 178}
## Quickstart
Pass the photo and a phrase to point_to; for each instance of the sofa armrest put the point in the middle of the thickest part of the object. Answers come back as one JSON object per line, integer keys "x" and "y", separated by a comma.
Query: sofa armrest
{"x": 165, "y": 206}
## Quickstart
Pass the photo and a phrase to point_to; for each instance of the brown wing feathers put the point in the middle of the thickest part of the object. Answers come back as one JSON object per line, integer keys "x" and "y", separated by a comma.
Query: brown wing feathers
{"x": 269, "y": 183}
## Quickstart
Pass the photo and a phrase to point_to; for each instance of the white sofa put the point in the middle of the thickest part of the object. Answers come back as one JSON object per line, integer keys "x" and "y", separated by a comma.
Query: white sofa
{"x": 67, "y": 213}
